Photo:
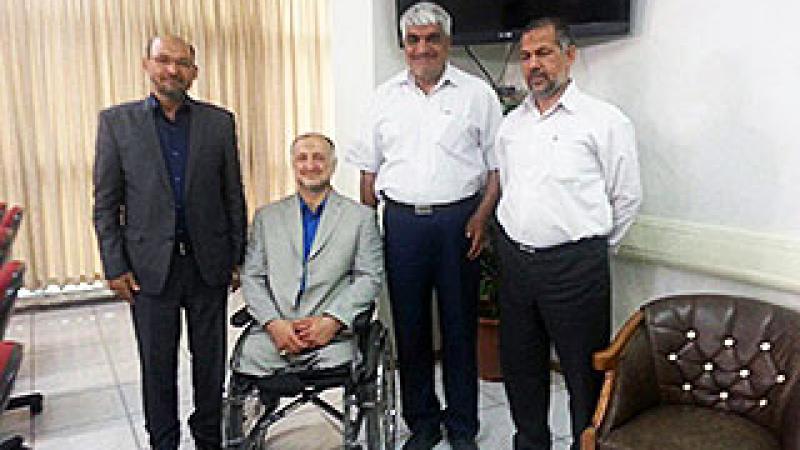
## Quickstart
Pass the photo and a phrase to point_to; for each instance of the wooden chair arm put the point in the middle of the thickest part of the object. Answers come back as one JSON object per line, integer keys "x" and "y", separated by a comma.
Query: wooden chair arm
{"x": 607, "y": 359}
{"x": 589, "y": 439}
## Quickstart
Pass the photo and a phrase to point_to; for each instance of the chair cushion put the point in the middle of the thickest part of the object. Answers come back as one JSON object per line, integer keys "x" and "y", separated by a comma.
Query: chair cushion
{"x": 679, "y": 427}
{"x": 729, "y": 353}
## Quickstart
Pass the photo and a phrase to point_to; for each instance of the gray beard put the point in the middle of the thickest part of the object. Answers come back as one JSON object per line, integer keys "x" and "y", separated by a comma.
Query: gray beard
{"x": 317, "y": 188}
{"x": 551, "y": 90}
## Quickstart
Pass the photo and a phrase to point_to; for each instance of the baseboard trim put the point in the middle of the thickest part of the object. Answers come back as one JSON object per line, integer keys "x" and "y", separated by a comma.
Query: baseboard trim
{"x": 762, "y": 259}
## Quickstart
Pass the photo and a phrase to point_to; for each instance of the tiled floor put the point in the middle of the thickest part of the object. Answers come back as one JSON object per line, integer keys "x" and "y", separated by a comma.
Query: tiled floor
{"x": 83, "y": 359}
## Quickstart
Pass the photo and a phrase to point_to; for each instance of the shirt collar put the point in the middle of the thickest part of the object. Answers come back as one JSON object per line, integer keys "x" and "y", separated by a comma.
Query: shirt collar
{"x": 450, "y": 75}
{"x": 306, "y": 210}
{"x": 153, "y": 103}
{"x": 570, "y": 100}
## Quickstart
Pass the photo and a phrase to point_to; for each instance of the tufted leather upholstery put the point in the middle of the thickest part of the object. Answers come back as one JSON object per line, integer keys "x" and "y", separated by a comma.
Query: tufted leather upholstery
{"x": 705, "y": 372}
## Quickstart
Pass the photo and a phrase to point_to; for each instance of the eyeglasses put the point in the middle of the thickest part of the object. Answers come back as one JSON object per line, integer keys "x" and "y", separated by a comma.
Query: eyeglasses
{"x": 183, "y": 63}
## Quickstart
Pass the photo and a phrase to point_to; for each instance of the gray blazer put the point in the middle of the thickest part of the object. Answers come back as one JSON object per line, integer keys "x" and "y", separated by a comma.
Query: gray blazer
{"x": 130, "y": 177}
{"x": 344, "y": 273}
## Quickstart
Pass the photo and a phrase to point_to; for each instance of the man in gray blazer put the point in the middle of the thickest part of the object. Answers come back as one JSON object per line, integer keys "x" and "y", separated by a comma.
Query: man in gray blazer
{"x": 170, "y": 220}
{"x": 313, "y": 262}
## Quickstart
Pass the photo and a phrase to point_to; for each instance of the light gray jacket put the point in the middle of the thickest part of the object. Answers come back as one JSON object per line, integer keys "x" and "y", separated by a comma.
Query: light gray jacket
{"x": 344, "y": 273}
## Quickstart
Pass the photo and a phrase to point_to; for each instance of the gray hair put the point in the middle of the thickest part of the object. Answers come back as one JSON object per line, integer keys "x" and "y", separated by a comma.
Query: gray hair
{"x": 425, "y": 13}
{"x": 563, "y": 35}
{"x": 320, "y": 136}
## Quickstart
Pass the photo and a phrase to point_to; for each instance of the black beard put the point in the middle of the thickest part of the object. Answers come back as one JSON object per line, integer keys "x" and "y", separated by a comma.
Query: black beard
{"x": 177, "y": 96}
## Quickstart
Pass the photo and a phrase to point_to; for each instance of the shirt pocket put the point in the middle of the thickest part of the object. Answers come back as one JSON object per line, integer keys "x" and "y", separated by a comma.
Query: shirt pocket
{"x": 457, "y": 134}
{"x": 389, "y": 134}
{"x": 573, "y": 159}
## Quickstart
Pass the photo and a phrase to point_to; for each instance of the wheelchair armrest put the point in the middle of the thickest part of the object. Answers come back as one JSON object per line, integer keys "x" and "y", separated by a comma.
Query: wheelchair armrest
{"x": 241, "y": 318}
{"x": 364, "y": 329}
{"x": 361, "y": 323}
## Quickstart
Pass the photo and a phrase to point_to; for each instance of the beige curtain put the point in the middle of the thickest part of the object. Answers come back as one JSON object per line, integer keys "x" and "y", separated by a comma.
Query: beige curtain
{"x": 61, "y": 61}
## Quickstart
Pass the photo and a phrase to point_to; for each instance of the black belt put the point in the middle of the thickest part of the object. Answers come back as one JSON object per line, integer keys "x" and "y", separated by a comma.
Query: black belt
{"x": 554, "y": 248}
{"x": 427, "y": 210}
{"x": 183, "y": 248}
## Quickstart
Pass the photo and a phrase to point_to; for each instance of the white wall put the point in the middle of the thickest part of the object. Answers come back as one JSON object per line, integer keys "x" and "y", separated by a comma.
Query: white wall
{"x": 709, "y": 86}
{"x": 353, "y": 77}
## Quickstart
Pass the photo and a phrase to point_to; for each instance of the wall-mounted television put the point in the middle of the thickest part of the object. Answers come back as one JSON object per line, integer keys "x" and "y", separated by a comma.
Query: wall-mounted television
{"x": 490, "y": 21}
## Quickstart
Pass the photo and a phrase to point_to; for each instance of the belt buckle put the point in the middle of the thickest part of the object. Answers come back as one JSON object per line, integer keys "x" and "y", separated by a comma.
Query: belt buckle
{"x": 423, "y": 210}
{"x": 527, "y": 248}
{"x": 182, "y": 249}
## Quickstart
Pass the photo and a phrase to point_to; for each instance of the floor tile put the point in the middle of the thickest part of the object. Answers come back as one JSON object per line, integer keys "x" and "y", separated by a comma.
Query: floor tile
{"x": 54, "y": 380}
{"x": 492, "y": 394}
{"x": 562, "y": 444}
{"x": 119, "y": 329}
{"x": 108, "y": 434}
{"x": 17, "y": 422}
{"x": 496, "y": 428}
{"x": 138, "y": 429}
{"x": 141, "y": 435}
{"x": 126, "y": 371}
{"x": 60, "y": 329}
{"x": 51, "y": 357}
{"x": 63, "y": 411}
{"x": 559, "y": 414}
{"x": 19, "y": 328}
{"x": 24, "y": 381}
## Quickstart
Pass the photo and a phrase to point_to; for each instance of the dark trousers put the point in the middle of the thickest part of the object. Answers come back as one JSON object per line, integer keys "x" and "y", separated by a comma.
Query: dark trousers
{"x": 426, "y": 253}
{"x": 158, "y": 328}
{"x": 559, "y": 296}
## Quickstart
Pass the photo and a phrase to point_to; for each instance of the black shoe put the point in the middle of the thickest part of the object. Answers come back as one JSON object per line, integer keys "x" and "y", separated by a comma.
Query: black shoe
{"x": 200, "y": 446}
{"x": 463, "y": 444}
{"x": 423, "y": 441}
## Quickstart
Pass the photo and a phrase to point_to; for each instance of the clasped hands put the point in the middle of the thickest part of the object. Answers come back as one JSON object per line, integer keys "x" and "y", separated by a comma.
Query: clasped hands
{"x": 295, "y": 336}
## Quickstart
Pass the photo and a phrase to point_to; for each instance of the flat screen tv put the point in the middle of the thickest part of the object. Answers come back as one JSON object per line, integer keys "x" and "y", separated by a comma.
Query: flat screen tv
{"x": 491, "y": 21}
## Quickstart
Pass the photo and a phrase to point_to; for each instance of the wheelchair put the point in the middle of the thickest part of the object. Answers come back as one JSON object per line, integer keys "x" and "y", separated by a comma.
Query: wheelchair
{"x": 250, "y": 405}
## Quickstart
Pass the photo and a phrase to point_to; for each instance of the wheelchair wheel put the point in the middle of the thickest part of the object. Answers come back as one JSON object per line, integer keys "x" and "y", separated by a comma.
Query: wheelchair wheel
{"x": 351, "y": 422}
{"x": 258, "y": 442}
{"x": 240, "y": 414}
{"x": 382, "y": 416}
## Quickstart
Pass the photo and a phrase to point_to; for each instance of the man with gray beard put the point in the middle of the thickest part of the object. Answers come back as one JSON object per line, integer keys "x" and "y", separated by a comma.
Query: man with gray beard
{"x": 570, "y": 190}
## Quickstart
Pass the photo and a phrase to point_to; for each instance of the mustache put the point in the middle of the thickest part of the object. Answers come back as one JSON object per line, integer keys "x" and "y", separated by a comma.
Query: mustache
{"x": 537, "y": 73}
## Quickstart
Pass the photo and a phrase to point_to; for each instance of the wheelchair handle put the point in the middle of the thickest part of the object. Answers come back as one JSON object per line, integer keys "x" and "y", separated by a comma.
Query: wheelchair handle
{"x": 241, "y": 318}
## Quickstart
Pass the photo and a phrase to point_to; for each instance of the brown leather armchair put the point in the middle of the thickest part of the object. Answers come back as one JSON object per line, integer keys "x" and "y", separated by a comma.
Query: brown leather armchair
{"x": 701, "y": 372}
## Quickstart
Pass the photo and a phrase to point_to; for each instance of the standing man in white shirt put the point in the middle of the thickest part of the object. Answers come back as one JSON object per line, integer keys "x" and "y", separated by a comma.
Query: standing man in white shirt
{"x": 426, "y": 153}
{"x": 570, "y": 183}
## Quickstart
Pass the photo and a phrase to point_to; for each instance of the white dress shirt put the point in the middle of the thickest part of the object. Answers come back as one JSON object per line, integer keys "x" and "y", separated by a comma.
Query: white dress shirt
{"x": 429, "y": 149}
{"x": 569, "y": 173}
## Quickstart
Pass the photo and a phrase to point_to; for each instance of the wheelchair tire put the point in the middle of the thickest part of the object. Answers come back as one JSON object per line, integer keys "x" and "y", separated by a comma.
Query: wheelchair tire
{"x": 382, "y": 416}
{"x": 238, "y": 422}
{"x": 259, "y": 442}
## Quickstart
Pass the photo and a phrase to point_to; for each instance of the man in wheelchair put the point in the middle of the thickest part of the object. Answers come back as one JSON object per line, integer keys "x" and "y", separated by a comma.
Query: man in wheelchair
{"x": 313, "y": 267}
